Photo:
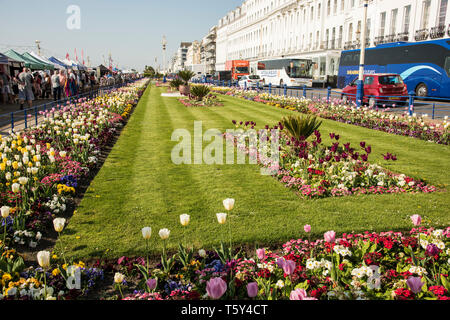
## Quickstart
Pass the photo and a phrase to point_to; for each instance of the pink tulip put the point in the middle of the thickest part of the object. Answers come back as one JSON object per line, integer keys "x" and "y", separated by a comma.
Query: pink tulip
{"x": 151, "y": 283}
{"x": 416, "y": 219}
{"x": 415, "y": 284}
{"x": 261, "y": 253}
{"x": 252, "y": 289}
{"x": 307, "y": 228}
{"x": 299, "y": 294}
{"x": 289, "y": 267}
{"x": 330, "y": 236}
{"x": 216, "y": 287}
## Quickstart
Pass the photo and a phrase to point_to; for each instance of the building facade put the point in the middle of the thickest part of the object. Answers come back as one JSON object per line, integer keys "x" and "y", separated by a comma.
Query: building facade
{"x": 180, "y": 57}
{"x": 321, "y": 29}
{"x": 208, "y": 50}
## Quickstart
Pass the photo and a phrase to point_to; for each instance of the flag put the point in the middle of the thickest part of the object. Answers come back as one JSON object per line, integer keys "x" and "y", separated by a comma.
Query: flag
{"x": 76, "y": 56}
{"x": 67, "y": 56}
{"x": 82, "y": 59}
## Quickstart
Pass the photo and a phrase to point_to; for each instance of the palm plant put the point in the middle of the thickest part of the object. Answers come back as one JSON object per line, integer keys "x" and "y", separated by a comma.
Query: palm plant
{"x": 185, "y": 75}
{"x": 176, "y": 83}
{"x": 199, "y": 92}
{"x": 299, "y": 127}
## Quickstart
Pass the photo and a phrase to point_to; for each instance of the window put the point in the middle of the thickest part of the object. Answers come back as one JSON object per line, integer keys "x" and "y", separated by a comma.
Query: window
{"x": 406, "y": 18}
{"x": 447, "y": 66}
{"x": 382, "y": 23}
{"x": 390, "y": 80}
{"x": 394, "y": 14}
{"x": 368, "y": 81}
{"x": 425, "y": 13}
{"x": 442, "y": 12}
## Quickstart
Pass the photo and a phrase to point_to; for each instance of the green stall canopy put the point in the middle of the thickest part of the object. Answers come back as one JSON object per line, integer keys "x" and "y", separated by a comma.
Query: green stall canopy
{"x": 30, "y": 57}
{"x": 28, "y": 63}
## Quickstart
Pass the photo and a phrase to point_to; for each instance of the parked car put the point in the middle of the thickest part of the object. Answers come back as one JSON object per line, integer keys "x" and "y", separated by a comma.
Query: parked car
{"x": 379, "y": 89}
{"x": 251, "y": 81}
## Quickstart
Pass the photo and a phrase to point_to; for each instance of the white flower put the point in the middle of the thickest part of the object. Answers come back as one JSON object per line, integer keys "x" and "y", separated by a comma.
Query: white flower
{"x": 118, "y": 277}
{"x": 228, "y": 204}
{"x": 221, "y": 218}
{"x": 202, "y": 253}
{"x": 146, "y": 233}
{"x": 279, "y": 284}
{"x": 5, "y": 211}
{"x": 185, "y": 219}
{"x": 59, "y": 224}
{"x": 164, "y": 233}
{"x": 43, "y": 258}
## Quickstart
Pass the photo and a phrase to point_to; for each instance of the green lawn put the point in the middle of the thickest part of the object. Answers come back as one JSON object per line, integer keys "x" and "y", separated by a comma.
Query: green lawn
{"x": 139, "y": 186}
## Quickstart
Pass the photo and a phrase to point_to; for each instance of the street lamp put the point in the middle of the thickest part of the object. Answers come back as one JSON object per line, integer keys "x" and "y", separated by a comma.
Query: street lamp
{"x": 360, "y": 82}
{"x": 38, "y": 42}
{"x": 164, "y": 45}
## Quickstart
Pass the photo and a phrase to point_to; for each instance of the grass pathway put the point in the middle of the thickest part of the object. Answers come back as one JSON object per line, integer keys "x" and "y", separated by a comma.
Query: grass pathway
{"x": 139, "y": 186}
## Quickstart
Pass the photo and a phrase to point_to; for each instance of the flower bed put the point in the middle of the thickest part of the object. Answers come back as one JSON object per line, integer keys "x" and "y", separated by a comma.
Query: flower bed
{"x": 210, "y": 100}
{"x": 40, "y": 172}
{"x": 412, "y": 126}
{"x": 356, "y": 266}
{"x": 315, "y": 170}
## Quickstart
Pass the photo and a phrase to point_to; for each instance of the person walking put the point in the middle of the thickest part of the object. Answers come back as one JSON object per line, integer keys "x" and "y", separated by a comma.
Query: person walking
{"x": 62, "y": 81}
{"x": 25, "y": 88}
{"x": 47, "y": 86}
{"x": 5, "y": 86}
{"x": 56, "y": 86}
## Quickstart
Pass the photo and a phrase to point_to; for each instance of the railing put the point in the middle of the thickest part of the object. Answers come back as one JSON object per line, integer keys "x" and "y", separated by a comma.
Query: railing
{"x": 379, "y": 40}
{"x": 31, "y": 116}
{"x": 421, "y": 35}
{"x": 403, "y": 36}
{"x": 437, "y": 107}
{"x": 437, "y": 32}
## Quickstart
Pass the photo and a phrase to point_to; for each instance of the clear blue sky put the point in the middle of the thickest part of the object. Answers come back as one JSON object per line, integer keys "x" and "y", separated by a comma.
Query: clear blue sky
{"x": 131, "y": 30}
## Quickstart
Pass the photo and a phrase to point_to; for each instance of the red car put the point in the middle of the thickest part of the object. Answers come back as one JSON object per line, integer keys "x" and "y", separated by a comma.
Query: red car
{"x": 385, "y": 89}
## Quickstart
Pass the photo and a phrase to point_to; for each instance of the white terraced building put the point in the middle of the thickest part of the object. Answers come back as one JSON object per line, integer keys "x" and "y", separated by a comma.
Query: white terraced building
{"x": 321, "y": 29}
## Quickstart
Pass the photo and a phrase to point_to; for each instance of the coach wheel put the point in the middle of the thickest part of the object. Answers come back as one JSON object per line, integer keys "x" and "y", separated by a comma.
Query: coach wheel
{"x": 422, "y": 90}
{"x": 372, "y": 102}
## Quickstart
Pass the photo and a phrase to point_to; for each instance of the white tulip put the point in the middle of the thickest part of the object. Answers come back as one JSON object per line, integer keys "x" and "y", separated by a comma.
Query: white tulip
{"x": 15, "y": 187}
{"x": 146, "y": 233}
{"x": 43, "y": 258}
{"x": 118, "y": 277}
{"x": 59, "y": 224}
{"x": 185, "y": 219}
{"x": 221, "y": 218}
{"x": 202, "y": 253}
{"x": 23, "y": 180}
{"x": 228, "y": 204}
{"x": 164, "y": 234}
{"x": 62, "y": 154}
{"x": 5, "y": 211}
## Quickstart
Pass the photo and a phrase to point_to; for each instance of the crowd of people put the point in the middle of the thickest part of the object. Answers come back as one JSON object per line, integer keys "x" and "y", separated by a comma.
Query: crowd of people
{"x": 28, "y": 86}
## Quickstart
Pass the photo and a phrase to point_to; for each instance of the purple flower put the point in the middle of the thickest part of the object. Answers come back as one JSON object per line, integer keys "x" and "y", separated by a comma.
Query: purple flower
{"x": 252, "y": 289}
{"x": 216, "y": 288}
{"x": 432, "y": 249}
{"x": 289, "y": 267}
{"x": 151, "y": 283}
{"x": 415, "y": 284}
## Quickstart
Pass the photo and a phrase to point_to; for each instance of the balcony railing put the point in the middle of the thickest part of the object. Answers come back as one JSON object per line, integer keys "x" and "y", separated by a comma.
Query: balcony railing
{"x": 403, "y": 36}
{"x": 379, "y": 40}
{"x": 437, "y": 32}
{"x": 348, "y": 45}
{"x": 421, "y": 35}
{"x": 390, "y": 38}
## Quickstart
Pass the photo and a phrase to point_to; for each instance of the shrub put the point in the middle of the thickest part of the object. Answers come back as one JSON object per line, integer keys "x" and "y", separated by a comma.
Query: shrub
{"x": 185, "y": 75}
{"x": 176, "y": 83}
{"x": 199, "y": 92}
{"x": 299, "y": 127}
